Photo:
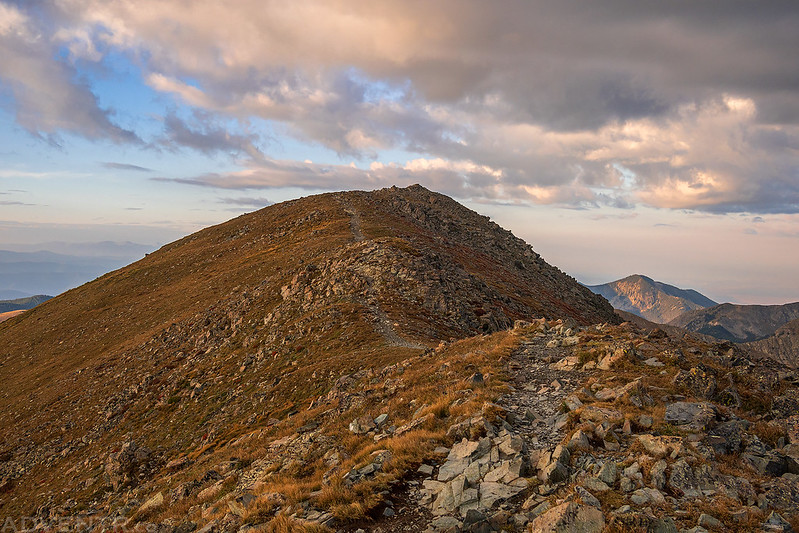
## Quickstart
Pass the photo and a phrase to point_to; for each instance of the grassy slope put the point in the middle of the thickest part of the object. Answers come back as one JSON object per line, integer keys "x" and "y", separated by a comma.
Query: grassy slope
{"x": 120, "y": 357}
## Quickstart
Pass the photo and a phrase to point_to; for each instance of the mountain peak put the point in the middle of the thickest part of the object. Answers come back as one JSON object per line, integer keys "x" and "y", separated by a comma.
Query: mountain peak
{"x": 654, "y": 300}
{"x": 249, "y": 320}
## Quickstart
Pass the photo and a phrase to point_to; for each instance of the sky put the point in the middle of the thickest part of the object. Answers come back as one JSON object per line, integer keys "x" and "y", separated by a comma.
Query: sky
{"x": 616, "y": 137}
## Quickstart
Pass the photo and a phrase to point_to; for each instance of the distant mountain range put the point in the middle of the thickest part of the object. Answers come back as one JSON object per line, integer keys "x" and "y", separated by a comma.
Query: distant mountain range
{"x": 738, "y": 323}
{"x": 11, "y": 308}
{"x": 653, "y": 300}
{"x": 21, "y": 304}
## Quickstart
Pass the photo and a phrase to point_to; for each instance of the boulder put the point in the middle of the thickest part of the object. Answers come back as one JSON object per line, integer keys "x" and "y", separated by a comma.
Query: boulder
{"x": 363, "y": 424}
{"x": 490, "y": 493}
{"x": 570, "y": 517}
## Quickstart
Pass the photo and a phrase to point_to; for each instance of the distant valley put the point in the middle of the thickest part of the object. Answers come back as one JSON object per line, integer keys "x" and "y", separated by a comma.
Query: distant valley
{"x": 25, "y": 272}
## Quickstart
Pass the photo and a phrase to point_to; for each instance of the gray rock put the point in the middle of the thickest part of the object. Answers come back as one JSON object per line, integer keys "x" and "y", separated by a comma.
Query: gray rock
{"x": 381, "y": 420}
{"x": 561, "y": 454}
{"x": 626, "y": 484}
{"x": 446, "y": 524}
{"x": 766, "y": 461}
{"x": 596, "y": 485}
{"x": 658, "y": 475}
{"x": 608, "y": 473}
{"x": 507, "y": 471}
{"x": 775, "y": 522}
{"x": 425, "y": 469}
{"x": 490, "y": 493}
{"x": 694, "y": 415}
{"x": 661, "y": 525}
{"x": 473, "y": 517}
{"x": 578, "y": 441}
{"x": 727, "y": 437}
{"x": 452, "y": 468}
{"x": 587, "y": 497}
{"x": 555, "y": 472}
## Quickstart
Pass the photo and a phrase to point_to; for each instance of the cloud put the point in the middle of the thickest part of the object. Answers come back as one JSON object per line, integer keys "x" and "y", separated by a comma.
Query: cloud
{"x": 205, "y": 136}
{"x": 247, "y": 201}
{"x": 48, "y": 99}
{"x": 126, "y": 166}
{"x": 673, "y": 105}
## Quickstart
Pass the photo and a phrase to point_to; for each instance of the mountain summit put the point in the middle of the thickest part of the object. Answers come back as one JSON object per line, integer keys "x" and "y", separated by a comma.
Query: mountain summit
{"x": 653, "y": 300}
{"x": 218, "y": 333}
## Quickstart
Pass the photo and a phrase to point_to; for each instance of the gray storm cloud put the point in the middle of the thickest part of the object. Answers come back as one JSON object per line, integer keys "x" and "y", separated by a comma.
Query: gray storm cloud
{"x": 671, "y": 104}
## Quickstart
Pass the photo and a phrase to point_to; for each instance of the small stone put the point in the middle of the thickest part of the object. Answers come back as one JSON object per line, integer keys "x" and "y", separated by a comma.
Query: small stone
{"x": 425, "y": 469}
{"x": 775, "y": 522}
{"x": 595, "y": 485}
{"x": 555, "y": 472}
{"x": 579, "y": 441}
{"x": 658, "y": 475}
{"x": 388, "y": 512}
{"x": 152, "y": 503}
{"x": 381, "y": 419}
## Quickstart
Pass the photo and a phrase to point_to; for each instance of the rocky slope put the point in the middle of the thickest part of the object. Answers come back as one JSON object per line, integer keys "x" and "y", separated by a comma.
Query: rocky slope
{"x": 133, "y": 383}
{"x": 783, "y": 346}
{"x": 738, "y": 323}
{"x": 650, "y": 299}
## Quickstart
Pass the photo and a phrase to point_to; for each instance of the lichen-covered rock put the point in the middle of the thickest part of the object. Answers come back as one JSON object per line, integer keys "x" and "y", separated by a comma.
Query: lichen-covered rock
{"x": 694, "y": 415}
{"x": 682, "y": 481}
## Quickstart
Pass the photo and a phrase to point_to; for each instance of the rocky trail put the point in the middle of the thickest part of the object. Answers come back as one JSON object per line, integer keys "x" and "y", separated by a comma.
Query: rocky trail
{"x": 535, "y": 407}
{"x": 438, "y": 498}
{"x": 382, "y": 323}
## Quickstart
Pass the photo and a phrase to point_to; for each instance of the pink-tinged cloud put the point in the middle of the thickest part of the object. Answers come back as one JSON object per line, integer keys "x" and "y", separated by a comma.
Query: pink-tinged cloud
{"x": 680, "y": 106}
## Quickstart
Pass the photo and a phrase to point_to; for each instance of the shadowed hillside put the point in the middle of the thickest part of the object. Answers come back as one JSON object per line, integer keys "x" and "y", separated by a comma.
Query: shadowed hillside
{"x": 738, "y": 323}
{"x": 783, "y": 346}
